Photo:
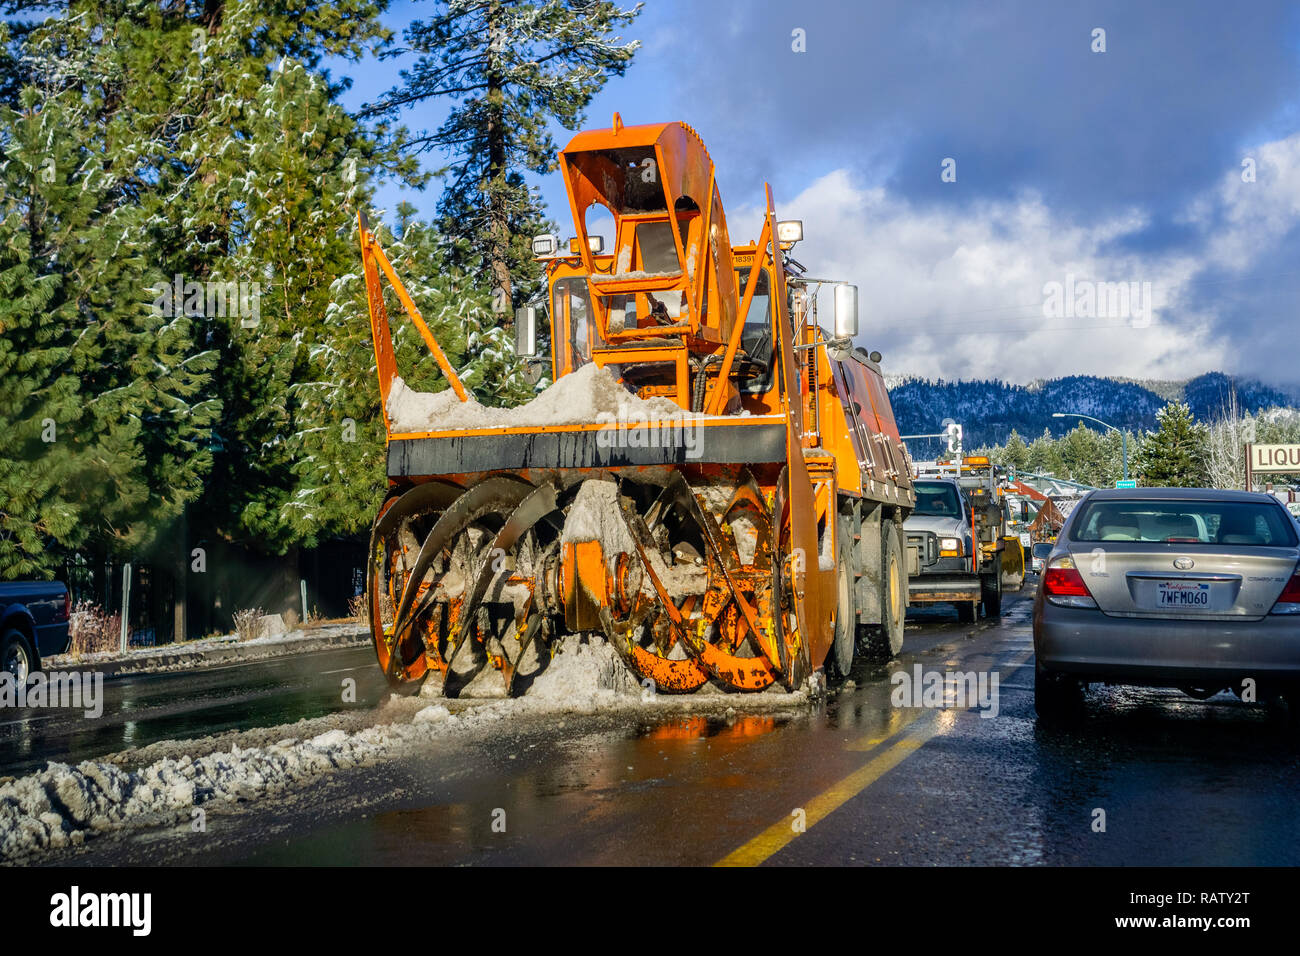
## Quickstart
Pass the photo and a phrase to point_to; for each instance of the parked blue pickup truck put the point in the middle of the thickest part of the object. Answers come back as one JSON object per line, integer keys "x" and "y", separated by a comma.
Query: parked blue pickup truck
{"x": 33, "y": 623}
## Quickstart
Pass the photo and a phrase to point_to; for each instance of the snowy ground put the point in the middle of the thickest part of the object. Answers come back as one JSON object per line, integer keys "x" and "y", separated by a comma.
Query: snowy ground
{"x": 164, "y": 783}
{"x": 192, "y": 653}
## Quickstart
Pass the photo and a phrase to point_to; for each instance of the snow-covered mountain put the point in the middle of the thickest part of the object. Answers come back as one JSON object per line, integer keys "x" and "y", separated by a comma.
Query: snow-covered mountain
{"x": 988, "y": 410}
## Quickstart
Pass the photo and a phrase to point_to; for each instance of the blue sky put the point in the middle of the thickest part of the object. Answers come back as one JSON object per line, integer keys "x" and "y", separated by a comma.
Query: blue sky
{"x": 1072, "y": 166}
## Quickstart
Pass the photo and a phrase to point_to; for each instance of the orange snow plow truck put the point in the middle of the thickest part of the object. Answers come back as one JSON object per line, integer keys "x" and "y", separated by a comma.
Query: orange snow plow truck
{"x": 713, "y": 482}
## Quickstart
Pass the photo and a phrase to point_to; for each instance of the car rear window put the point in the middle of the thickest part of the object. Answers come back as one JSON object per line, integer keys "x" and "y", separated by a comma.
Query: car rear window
{"x": 1183, "y": 522}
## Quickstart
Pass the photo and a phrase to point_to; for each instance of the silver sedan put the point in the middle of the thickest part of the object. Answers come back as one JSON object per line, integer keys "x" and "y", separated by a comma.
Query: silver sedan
{"x": 1180, "y": 587}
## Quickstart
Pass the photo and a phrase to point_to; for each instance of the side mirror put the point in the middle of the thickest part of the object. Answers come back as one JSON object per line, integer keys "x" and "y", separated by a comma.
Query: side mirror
{"x": 526, "y": 331}
{"x": 846, "y": 311}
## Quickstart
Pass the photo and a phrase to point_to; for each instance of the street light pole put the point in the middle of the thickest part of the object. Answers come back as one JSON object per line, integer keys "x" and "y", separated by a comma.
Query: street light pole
{"x": 1123, "y": 435}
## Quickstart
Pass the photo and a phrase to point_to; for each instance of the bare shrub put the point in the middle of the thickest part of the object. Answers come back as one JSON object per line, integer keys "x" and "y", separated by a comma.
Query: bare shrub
{"x": 290, "y": 619}
{"x": 91, "y": 629}
{"x": 359, "y": 608}
{"x": 246, "y": 625}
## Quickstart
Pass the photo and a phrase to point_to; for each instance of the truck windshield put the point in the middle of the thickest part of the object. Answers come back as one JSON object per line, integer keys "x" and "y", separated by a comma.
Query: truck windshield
{"x": 937, "y": 498}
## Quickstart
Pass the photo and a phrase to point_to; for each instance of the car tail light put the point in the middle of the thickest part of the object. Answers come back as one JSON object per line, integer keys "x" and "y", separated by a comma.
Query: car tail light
{"x": 1064, "y": 585}
{"x": 1288, "y": 602}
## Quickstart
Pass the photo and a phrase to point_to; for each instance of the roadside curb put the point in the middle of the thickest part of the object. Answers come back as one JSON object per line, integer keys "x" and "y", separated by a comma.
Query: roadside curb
{"x": 166, "y": 661}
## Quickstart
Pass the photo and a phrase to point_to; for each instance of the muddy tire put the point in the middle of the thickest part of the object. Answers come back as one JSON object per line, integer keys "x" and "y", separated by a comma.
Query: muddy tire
{"x": 884, "y": 641}
{"x": 840, "y": 659}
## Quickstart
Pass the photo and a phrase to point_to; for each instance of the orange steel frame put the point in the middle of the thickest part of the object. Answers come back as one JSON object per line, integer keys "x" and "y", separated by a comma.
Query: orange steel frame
{"x": 808, "y": 496}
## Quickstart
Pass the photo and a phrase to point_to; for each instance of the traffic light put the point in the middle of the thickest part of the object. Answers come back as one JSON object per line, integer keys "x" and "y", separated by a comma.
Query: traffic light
{"x": 954, "y": 438}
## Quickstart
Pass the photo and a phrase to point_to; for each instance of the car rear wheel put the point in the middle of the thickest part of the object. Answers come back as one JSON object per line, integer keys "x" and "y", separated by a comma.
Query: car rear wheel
{"x": 1056, "y": 696}
{"x": 16, "y": 655}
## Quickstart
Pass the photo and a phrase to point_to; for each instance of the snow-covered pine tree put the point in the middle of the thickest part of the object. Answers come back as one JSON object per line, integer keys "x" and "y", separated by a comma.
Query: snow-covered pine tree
{"x": 1015, "y": 452}
{"x": 339, "y": 445}
{"x": 510, "y": 67}
{"x": 1045, "y": 456}
{"x": 257, "y": 177}
{"x": 99, "y": 391}
{"x": 1174, "y": 455}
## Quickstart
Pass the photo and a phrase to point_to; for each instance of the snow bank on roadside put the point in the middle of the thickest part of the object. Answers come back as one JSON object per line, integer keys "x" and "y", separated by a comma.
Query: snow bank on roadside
{"x": 64, "y": 805}
{"x": 578, "y": 398}
{"x": 202, "y": 645}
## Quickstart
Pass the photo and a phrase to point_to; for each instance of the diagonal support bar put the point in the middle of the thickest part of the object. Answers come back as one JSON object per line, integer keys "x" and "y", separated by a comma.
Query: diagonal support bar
{"x": 373, "y": 261}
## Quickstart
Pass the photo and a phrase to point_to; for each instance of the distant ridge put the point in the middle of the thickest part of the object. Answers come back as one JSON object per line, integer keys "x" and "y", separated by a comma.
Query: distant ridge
{"x": 989, "y": 409}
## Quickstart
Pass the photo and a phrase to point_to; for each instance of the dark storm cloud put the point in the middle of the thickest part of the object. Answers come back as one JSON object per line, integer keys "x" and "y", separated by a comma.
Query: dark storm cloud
{"x": 1012, "y": 91}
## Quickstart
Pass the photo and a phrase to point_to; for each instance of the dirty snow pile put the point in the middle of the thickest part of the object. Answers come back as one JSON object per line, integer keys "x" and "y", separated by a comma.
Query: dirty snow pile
{"x": 583, "y": 676}
{"x": 590, "y": 394}
{"x": 595, "y": 516}
{"x": 61, "y": 805}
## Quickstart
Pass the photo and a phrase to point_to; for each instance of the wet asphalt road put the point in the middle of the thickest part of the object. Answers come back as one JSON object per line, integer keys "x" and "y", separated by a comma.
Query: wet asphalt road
{"x": 1180, "y": 781}
{"x": 140, "y": 709}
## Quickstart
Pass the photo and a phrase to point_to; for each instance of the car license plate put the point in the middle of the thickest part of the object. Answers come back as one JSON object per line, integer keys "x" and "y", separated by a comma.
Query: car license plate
{"x": 1183, "y": 596}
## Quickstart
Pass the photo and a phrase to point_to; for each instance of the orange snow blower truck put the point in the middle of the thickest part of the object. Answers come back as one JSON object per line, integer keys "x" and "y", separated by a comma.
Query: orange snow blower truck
{"x": 731, "y": 514}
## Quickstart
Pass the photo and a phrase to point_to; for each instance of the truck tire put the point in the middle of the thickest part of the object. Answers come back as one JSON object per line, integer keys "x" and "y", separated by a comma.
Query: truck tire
{"x": 840, "y": 659}
{"x": 991, "y": 591}
{"x": 883, "y": 642}
{"x": 16, "y": 655}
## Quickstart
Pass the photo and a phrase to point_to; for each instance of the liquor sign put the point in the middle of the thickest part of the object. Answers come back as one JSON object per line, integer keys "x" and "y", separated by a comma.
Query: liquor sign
{"x": 1275, "y": 458}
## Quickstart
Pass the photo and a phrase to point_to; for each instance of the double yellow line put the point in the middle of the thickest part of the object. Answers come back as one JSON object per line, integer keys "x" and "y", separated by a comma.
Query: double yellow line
{"x": 780, "y": 834}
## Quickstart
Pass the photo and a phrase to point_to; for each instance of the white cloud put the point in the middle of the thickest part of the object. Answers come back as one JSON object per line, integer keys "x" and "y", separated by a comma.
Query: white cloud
{"x": 958, "y": 292}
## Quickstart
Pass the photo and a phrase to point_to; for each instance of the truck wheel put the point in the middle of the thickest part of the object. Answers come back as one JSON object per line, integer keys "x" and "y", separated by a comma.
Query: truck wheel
{"x": 840, "y": 660}
{"x": 884, "y": 641}
{"x": 16, "y": 655}
{"x": 968, "y": 611}
{"x": 992, "y": 594}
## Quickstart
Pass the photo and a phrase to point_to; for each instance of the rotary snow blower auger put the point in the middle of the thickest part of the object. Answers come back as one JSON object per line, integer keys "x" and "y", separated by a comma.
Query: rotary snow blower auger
{"x": 713, "y": 481}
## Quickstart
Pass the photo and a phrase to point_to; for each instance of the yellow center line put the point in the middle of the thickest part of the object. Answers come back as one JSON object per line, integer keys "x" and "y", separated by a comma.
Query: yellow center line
{"x": 780, "y": 834}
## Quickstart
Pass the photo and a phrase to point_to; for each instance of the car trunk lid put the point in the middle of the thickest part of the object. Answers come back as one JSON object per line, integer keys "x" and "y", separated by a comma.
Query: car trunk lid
{"x": 1183, "y": 581}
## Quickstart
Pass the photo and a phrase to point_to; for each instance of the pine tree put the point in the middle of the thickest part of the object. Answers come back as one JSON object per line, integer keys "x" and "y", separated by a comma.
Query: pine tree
{"x": 510, "y": 68}
{"x": 1045, "y": 456}
{"x": 259, "y": 176}
{"x": 339, "y": 443}
{"x": 1174, "y": 456}
{"x": 1015, "y": 452}
{"x": 98, "y": 411}
{"x": 207, "y": 146}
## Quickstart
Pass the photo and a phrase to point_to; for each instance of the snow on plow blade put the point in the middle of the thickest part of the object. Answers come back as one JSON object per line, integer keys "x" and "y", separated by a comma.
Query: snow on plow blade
{"x": 705, "y": 484}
